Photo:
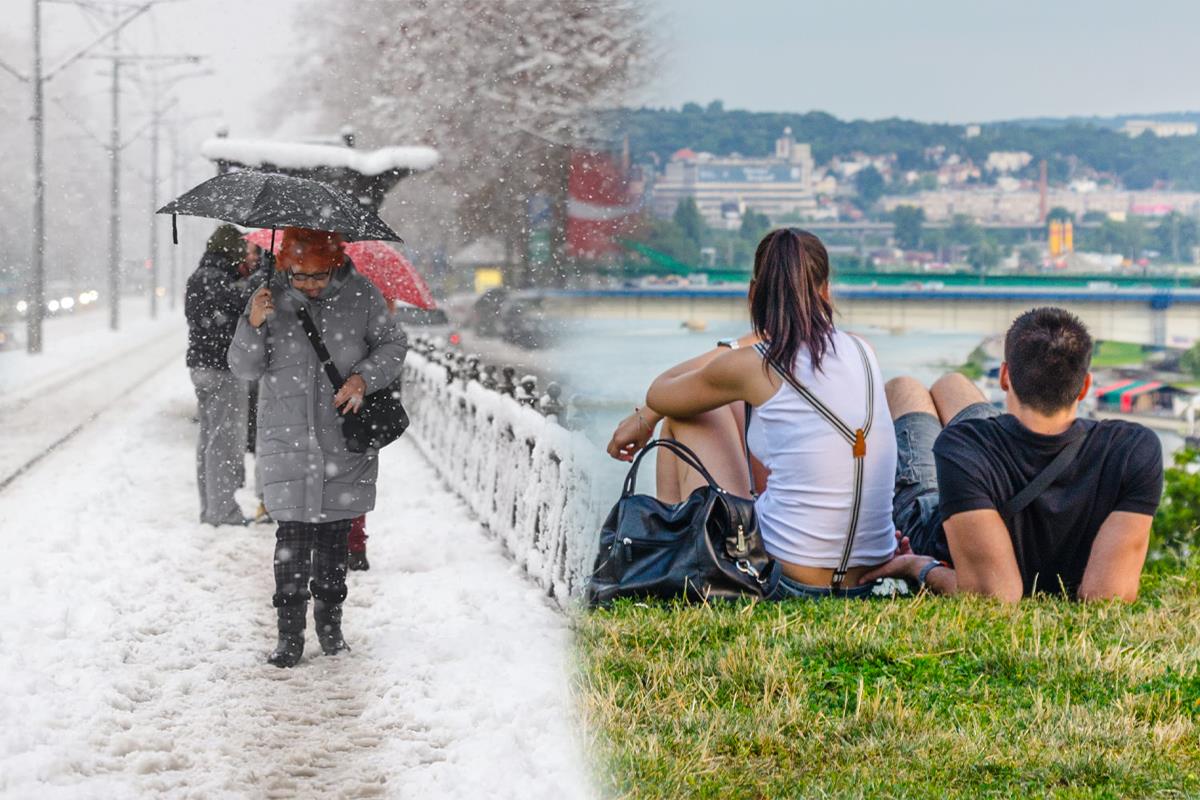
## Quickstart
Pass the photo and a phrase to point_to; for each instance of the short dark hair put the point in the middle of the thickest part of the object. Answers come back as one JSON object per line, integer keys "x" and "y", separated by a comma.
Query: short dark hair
{"x": 1049, "y": 352}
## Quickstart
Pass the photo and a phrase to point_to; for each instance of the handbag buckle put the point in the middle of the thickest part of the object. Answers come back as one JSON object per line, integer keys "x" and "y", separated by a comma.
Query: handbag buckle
{"x": 746, "y": 567}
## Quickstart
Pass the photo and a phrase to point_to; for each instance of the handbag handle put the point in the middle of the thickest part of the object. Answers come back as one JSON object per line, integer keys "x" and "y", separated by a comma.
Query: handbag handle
{"x": 681, "y": 450}
{"x": 314, "y": 337}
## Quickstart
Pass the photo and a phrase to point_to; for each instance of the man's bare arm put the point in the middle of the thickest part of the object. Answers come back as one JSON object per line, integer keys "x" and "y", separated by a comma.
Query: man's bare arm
{"x": 1114, "y": 568}
{"x": 984, "y": 561}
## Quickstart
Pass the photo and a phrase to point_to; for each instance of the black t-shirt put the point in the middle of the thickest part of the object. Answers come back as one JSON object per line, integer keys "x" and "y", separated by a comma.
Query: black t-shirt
{"x": 983, "y": 463}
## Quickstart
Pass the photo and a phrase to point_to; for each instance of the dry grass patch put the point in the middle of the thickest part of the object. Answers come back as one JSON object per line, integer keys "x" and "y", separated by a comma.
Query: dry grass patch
{"x": 925, "y": 697}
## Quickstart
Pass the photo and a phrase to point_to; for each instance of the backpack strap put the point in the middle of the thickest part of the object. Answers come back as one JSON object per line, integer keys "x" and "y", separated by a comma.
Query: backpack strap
{"x": 1049, "y": 474}
{"x": 855, "y": 437}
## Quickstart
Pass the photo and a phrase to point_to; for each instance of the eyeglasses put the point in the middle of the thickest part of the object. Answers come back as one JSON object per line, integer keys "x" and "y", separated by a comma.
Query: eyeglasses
{"x": 307, "y": 277}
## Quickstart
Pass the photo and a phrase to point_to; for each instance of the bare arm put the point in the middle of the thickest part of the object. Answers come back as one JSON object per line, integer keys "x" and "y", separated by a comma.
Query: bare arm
{"x": 634, "y": 431}
{"x": 651, "y": 415}
{"x": 690, "y": 392}
{"x": 984, "y": 561}
{"x": 1114, "y": 568}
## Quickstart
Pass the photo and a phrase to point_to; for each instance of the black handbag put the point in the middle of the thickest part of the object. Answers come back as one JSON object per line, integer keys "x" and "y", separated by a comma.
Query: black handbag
{"x": 707, "y": 546}
{"x": 380, "y": 420}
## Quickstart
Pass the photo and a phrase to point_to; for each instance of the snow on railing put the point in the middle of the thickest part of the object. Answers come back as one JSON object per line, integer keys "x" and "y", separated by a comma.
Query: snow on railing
{"x": 502, "y": 449}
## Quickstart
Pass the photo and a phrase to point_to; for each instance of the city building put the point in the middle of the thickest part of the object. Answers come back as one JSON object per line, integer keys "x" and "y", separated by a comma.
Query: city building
{"x": 778, "y": 186}
{"x": 993, "y": 205}
{"x": 1008, "y": 161}
{"x": 1136, "y": 127}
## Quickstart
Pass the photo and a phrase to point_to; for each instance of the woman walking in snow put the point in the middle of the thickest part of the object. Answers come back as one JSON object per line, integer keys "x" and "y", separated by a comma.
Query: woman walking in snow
{"x": 313, "y": 486}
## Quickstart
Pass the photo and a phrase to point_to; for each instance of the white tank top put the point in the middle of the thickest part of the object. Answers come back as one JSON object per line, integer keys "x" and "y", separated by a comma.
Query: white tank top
{"x": 804, "y": 514}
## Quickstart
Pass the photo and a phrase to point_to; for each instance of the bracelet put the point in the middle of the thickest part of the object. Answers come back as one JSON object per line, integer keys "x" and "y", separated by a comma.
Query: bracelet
{"x": 928, "y": 568}
{"x": 637, "y": 412}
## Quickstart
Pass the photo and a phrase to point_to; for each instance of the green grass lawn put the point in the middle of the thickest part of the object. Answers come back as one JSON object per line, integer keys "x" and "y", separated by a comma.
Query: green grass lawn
{"x": 1117, "y": 354}
{"x": 925, "y": 697}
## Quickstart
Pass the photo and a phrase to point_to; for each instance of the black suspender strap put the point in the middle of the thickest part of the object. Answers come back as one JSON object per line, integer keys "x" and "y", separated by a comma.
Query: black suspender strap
{"x": 855, "y": 437}
{"x": 746, "y": 448}
{"x": 314, "y": 337}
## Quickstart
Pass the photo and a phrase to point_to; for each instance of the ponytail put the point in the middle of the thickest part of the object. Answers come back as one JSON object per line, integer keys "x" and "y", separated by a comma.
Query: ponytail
{"x": 788, "y": 308}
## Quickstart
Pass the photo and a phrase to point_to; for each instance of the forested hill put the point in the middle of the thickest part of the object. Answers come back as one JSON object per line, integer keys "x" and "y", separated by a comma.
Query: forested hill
{"x": 1069, "y": 149}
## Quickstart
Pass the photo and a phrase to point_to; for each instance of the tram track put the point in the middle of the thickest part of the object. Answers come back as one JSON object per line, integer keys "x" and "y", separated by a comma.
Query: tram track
{"x": 50, "y": 412}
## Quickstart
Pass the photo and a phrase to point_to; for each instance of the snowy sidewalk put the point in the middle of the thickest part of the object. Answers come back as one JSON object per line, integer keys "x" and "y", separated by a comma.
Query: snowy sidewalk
{"x": 133, "y": 639}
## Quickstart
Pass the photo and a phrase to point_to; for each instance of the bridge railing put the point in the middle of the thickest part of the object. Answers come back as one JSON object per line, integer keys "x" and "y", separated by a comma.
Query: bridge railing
{"x": 499, "y": 444}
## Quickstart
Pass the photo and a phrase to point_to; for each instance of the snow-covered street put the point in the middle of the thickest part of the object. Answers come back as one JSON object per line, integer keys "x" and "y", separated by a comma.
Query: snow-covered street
{"x": 133, "y": 638}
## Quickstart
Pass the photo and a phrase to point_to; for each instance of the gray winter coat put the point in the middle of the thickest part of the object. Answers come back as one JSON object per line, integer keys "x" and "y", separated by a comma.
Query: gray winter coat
{"x": 307, "y": 473}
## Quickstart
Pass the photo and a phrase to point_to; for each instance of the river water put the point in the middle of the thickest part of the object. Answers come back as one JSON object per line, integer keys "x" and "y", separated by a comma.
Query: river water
{"x": 610, "y": 363}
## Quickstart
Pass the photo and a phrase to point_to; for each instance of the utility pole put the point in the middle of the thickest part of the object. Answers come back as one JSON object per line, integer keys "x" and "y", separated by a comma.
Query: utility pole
{"x": 114, "y": 195}
{"x": 154, "y": 203}
{"x": 37, "y": 80}
{"x": 175, "y": 166}
{"x": 158, "y": 112}
{"x": 37, "y": 280}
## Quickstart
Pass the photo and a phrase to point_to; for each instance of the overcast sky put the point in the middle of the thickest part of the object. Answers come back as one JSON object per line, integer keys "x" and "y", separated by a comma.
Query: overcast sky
{"x": 934, "y": 60}
{"x": 945, "y": 60}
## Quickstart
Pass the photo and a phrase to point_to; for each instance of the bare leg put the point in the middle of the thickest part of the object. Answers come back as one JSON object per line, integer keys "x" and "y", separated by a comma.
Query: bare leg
{"x": 952, "y": 393}
{"x": 716, "y": 437}
{"x": 667, "y": 467}
{"x": 907, "y": 395}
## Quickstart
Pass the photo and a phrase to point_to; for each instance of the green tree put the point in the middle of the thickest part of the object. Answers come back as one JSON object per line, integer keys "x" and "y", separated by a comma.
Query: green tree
{"x": 964, "y": 231}
{"x": 1176, "y": 235}
{"x": 1189, "y": 362}
{"x": 983, "y": 255}
{"x": 1127, "y": 238}
{"x": 691, "y": 223}
{"x": 665, "y": 236}
{"x": 868, "y": 182}
{"x": 1059, "y": 214}
{"x": 1029, "y": 257}
{"x": 1176, "y": 528}
{"x": 754, "y": 226}
{"x": 909, "y": 224}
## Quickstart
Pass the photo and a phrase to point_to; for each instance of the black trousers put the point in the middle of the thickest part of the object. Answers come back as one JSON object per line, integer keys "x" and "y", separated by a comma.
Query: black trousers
{"x": 315, "y": 552}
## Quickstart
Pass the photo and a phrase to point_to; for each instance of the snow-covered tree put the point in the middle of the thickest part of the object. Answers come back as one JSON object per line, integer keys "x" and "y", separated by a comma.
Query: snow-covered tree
{"x": 502, "y": 88}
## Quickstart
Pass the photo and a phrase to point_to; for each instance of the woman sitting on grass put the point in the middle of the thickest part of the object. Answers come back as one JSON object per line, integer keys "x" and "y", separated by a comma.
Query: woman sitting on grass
{"x": 803, "y": 467}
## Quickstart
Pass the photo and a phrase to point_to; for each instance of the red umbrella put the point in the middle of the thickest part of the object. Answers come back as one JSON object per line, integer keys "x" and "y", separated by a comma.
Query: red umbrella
{"x": 381, "y": 264}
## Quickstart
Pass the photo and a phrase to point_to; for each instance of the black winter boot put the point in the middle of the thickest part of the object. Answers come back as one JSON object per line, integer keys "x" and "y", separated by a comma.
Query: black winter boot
{"x": 357, "y": 561}
{"x": 327, "y": 618}
{"x": 291, "y": 636}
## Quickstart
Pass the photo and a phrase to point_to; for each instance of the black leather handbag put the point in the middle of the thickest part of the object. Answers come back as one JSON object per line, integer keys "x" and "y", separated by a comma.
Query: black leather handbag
{"x": 381, "y": 419}
{"x": 707, "y": 546}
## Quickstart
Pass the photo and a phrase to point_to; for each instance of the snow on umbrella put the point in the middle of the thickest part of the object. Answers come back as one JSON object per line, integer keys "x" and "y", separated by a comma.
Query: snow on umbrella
{"x": 379, "y": 263}
{"x": 268, "y": 200}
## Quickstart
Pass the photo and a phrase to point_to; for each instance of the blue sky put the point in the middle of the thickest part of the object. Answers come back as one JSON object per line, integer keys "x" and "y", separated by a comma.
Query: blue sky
{"x": 936, "y": 60}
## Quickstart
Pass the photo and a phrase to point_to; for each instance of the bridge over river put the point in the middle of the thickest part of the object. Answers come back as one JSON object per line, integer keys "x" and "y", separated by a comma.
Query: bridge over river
{"x": 1159, "y": 312}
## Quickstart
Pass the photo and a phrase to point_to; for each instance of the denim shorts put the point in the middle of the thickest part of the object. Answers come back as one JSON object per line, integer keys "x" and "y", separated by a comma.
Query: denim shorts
{"x": 915, "y": 502}
{"x": 788, "y": 589}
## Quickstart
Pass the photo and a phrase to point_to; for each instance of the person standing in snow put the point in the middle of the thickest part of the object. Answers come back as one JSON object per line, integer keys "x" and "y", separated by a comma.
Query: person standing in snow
{"x": 313, "y": 486}
{"x": 255, "y": 270}
{"x": 212, "y": 306}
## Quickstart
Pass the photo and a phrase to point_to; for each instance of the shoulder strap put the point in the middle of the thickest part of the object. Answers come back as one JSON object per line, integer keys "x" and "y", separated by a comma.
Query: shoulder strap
{"x": 1044, "y": 479}
{"x": 746, "y": 448}
{"x": 857, "y": 438}
{"x": 314, "y": 337}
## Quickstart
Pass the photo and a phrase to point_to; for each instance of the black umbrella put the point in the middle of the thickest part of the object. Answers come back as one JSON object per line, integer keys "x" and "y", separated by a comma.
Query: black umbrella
{"x": 269, "y": 200}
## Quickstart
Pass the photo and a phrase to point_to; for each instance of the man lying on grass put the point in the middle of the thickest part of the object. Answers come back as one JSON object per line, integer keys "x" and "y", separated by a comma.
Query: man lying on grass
{"x": 1084, "y": 532}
